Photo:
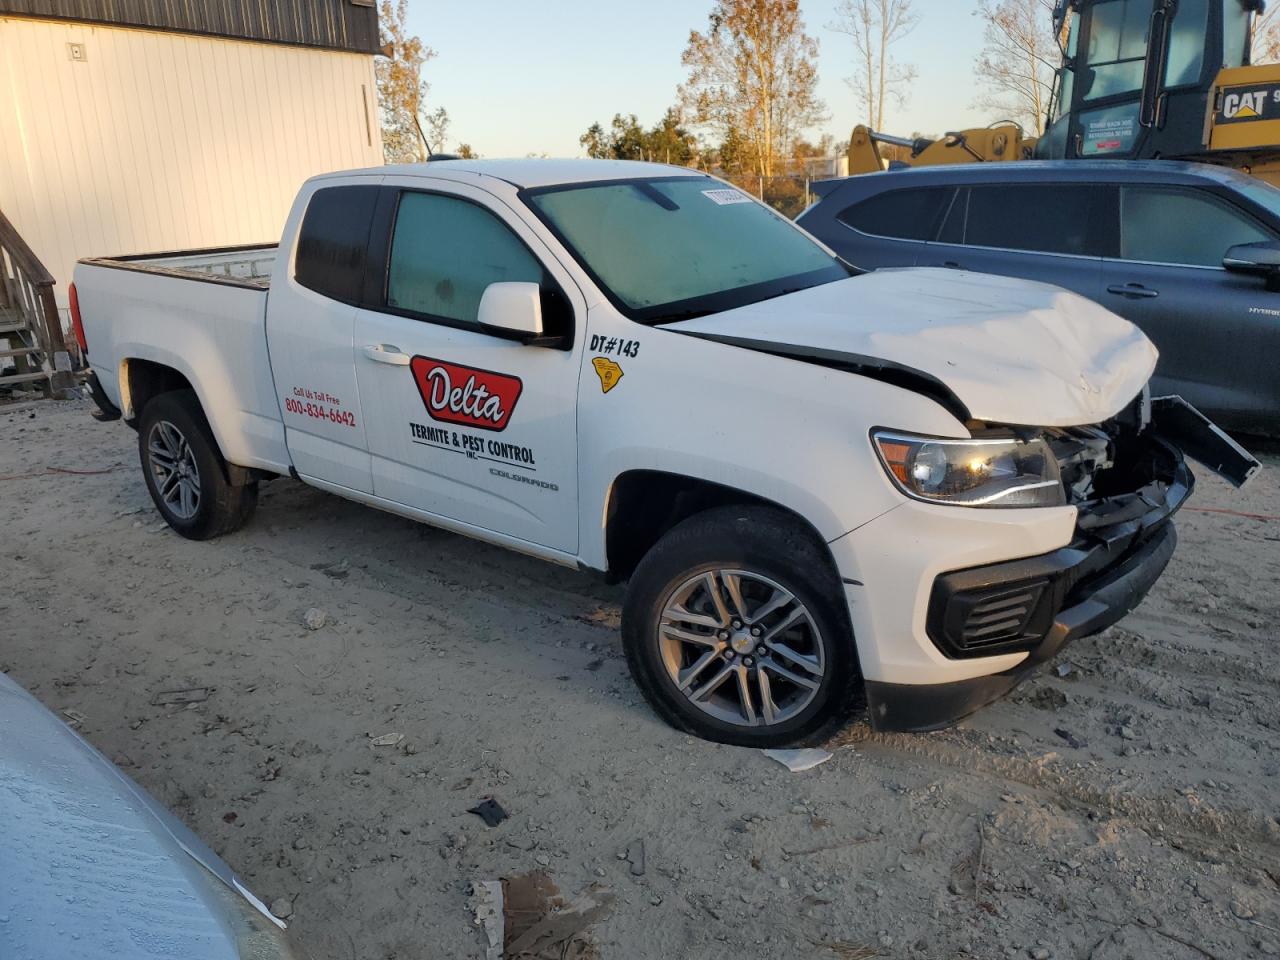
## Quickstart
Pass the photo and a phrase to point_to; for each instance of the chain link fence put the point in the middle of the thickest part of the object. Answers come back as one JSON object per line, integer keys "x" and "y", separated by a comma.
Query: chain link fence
{"x": 789, "y": 195}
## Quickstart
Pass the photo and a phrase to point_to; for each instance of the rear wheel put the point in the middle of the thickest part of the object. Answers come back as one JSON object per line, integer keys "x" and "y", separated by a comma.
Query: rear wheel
{"x": 189, "y": 481}
{"x": 735, "y": 630}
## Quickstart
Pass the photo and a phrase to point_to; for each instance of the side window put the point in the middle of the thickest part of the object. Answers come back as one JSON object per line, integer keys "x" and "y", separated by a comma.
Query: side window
{"x": 1164, "y": 225}
{"x": 900, "y": 214}
{"x": 333, "y": 241}
{"x": 952, "y": 230}
{"x": 446, "y": 251}
{"x": 1037, "y": 218}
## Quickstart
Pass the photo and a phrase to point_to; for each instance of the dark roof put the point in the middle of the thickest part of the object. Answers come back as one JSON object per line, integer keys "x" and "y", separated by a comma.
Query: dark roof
{"x": 1040, "y": 171}
{"x": 333, "y": 24}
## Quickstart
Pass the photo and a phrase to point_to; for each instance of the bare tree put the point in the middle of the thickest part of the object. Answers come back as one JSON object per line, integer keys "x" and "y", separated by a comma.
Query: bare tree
{"x": 435, "y": 130}
{"x": 401, "y": 90}
{"x": 1265, "y": 36}
{"x": 1018, "y": 59}
{"x": 875, "y": 26}
{"x": 753, "y": 75}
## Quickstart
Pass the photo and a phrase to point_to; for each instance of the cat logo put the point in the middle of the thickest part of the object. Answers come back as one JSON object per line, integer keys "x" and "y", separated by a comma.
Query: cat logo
{"x": 608, "y": 371}
{"x": 1247, "y": 103}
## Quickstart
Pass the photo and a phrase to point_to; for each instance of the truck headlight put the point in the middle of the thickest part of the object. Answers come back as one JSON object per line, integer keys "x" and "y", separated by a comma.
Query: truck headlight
{"x": 972, "y": 473}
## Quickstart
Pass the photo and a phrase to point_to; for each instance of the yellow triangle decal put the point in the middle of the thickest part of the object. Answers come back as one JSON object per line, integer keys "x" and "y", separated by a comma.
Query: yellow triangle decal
{"x": 1246, "y": 112}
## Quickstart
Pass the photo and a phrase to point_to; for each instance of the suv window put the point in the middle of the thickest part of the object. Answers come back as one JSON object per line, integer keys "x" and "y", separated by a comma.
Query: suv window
{"x": 899, "y": 214}
{"x": 1037, "y": 218}
{"x": 1154, "y": 226}
{"x": 444, "y": 253}
{"x": 333, "y": 241}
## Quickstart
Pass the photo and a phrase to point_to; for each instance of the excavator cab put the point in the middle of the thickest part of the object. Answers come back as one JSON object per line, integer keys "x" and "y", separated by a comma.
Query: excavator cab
{"x": 1139, "y": 80}
{"x": 1137, "y": 76}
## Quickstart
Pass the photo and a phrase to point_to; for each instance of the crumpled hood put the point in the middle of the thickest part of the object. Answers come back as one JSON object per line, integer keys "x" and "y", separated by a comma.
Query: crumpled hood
{"x": 87, "y": 870}
{"x": 1012, "y": 351}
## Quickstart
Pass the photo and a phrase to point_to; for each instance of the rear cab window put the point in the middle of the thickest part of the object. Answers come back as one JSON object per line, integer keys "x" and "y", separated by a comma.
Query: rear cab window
{"x": 333, "y": 242}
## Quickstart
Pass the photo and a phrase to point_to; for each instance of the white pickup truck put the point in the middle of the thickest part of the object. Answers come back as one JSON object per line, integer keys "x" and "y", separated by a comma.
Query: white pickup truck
{"x": 900, "y": 490}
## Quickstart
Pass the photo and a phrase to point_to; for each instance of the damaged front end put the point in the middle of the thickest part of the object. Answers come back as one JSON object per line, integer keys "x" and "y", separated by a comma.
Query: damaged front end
{"x": 1126, "y": 478}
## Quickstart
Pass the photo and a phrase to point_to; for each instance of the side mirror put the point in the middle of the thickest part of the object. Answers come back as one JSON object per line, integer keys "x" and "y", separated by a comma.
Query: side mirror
{"x": 1259, "y": 259}
{"x": 513, "y": 309}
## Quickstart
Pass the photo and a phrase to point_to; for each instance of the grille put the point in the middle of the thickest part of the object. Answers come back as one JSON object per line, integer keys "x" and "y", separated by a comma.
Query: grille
{"x": 998, "y": 618}
{"x": 981, "y": 620}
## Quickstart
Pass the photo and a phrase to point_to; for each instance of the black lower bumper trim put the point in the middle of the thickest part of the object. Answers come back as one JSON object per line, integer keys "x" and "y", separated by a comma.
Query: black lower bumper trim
{"x": 107, "y": 410}
{"x": 1097, "y": 604}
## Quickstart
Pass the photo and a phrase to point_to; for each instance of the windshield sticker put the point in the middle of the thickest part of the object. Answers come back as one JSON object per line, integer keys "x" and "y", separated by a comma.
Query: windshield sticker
{"x": 467, "y": 396}
{"x": 1107, "y": 134}
{"x": 726, "y": 196}
{"x": 608, "y": 371}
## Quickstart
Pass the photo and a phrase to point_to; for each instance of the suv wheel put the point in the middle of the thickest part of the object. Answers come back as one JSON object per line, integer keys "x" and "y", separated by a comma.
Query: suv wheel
{"x": 735, "y": 630}
{"x": 185, "y": 472}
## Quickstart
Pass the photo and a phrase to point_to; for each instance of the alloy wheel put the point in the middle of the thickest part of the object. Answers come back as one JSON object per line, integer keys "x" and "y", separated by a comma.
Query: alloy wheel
{"x": 174, "y": 470}
{"x": 741, "y": 647}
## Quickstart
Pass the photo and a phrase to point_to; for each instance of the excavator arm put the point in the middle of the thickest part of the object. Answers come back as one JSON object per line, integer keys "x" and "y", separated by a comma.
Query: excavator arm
{"x": 999, "y": 142}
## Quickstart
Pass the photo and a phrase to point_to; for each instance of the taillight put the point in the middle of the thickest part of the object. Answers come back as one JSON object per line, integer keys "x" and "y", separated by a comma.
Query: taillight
{"x": 77, "y": 325}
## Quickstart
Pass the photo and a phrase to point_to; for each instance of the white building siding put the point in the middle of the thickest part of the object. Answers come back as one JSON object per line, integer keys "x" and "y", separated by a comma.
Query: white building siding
{"x": 160, "y": 141}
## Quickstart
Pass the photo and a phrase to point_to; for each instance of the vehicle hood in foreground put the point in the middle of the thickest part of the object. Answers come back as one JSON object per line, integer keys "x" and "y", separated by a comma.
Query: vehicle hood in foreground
{"x": 90, "y": 866}
{"x": 1010, "y": 351}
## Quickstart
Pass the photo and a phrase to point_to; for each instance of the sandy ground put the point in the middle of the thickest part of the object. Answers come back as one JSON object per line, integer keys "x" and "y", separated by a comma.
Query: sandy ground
{"x": 1146, "y": 828}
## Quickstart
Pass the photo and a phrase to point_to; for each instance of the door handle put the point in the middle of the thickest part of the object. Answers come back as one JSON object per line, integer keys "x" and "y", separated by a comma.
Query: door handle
{"x": 1134, "y": 291}
{"x": 386, "y": 353}
{"x": 949, "y": 264}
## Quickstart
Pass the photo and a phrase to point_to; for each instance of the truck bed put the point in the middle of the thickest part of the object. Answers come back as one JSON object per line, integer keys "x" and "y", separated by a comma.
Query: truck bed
{"x": 201, "y": 313}
{"x": 248, "y": 266}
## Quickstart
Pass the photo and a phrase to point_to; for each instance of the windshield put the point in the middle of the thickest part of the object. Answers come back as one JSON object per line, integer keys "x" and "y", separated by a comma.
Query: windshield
{"x": 672, "y": 248}
{"x": 1117, "y": 48}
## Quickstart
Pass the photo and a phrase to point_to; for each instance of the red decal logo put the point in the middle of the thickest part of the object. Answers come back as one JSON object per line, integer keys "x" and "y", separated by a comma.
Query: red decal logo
{"x": 466, "y": 395}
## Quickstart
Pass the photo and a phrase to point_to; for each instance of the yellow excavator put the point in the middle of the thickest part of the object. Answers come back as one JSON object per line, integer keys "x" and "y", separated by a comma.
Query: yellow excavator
{"x": 1139, "y": 80}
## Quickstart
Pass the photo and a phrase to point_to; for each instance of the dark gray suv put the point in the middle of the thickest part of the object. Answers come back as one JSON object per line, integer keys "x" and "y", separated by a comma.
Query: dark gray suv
{"x": 1146, "y": 239}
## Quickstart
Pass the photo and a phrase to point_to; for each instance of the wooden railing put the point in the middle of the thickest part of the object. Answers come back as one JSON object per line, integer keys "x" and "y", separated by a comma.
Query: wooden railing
{"x": 26, "y": 293}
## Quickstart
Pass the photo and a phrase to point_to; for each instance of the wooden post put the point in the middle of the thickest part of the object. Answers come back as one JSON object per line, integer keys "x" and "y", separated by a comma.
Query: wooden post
{"x": 61, "y": 381}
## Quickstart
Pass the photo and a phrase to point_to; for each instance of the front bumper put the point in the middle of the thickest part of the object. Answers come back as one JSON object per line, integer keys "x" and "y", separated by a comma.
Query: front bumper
{"x": 931, "y": 589}
{"x": 1098, "y": 584}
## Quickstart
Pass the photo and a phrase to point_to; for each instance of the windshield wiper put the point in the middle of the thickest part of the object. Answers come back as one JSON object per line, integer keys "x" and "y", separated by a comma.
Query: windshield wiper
{"x": 650, "y": 192}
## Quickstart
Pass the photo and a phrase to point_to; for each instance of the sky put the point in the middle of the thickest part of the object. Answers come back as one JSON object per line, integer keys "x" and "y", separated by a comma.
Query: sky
{"x": 521, "y": 77}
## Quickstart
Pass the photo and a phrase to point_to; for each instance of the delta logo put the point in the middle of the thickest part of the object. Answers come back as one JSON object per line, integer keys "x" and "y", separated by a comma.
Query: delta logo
{"x": 466, "y": 396}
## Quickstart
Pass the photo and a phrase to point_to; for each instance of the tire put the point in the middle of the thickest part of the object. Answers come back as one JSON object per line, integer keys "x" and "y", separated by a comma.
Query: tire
{"x": 189, "y": 481}
{"x": 767, "y": 556}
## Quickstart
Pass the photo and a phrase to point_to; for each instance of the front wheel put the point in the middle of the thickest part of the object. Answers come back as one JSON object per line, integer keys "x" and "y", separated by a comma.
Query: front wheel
{"x": 735, "y": 630}
{"x": 186, "y": 476}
